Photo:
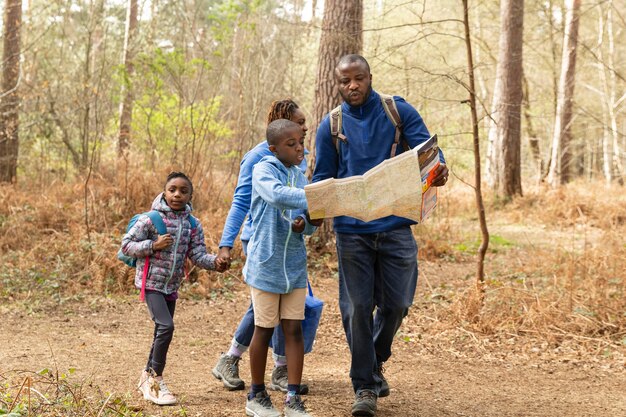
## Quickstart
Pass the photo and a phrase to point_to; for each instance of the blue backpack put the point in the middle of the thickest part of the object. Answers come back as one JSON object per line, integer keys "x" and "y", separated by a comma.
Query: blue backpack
{"x": 156, "y": 220}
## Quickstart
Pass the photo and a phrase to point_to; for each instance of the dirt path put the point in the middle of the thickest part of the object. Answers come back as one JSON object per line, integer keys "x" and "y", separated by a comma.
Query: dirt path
{"x": 106, "y": 340}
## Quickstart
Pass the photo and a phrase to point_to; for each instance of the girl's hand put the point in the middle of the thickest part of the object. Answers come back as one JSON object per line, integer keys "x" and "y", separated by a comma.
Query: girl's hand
{"x": 298, "y": 225}
{"x": 221, "y": 264}
{"x": 162, "y": 242}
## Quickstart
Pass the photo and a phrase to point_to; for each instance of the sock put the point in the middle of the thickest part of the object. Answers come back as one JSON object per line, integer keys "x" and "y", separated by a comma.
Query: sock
{"x": 282, "y": 361}
{"x": 255, "y": 389}
{"x": 235, "y": 350}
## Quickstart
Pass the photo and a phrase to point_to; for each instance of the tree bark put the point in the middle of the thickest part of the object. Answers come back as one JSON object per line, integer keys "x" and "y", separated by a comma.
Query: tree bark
{"x": 504, "y": 168}
{"x": 10, "y": 98}
{"x": 342, "y": 33}
{"x": 126, "y": 105}
{"x": 560, "y": 159}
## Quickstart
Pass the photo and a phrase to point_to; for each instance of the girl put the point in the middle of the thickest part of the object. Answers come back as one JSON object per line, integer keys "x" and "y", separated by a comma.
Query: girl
{"x": 164, "y": 257}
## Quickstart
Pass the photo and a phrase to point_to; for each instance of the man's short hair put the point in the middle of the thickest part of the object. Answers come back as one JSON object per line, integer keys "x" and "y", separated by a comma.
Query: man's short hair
{"x": 276, "y": 130}
{"x": 351, "y": 59}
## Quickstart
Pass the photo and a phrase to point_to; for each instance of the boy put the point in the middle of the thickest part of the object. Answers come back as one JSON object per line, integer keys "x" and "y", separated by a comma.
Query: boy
{"x": 275, "y": 268}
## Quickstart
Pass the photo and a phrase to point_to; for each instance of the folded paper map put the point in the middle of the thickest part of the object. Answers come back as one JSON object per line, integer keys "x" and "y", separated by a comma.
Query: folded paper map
{"x": 399, "y": 186}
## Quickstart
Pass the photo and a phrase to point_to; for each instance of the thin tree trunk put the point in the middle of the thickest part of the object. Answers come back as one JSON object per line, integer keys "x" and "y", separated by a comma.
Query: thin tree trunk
{"x": 10, "y": 98}
{"x": 533, "y": 139}
{"x": 504, "y": 169}
{"x": 480, "y": 206}
{"x": 561, "y": 155}
{"x": 126, "y": 105}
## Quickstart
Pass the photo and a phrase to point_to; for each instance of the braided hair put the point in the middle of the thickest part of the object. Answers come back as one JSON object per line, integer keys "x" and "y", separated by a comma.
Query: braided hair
{"x": 281, "y": 109}
{"x": 176, "y": 174}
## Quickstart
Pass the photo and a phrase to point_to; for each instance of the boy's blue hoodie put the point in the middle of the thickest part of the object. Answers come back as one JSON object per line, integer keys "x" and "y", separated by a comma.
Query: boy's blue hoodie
{"x": 276, "y": 259}
{"x": 243, "y": 194}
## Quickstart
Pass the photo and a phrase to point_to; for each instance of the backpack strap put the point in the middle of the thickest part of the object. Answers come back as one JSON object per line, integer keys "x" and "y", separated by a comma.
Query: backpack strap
{"x": 157, "y": 221}
{"x": 335, "y": 127}
{"x": 389, "y": 104}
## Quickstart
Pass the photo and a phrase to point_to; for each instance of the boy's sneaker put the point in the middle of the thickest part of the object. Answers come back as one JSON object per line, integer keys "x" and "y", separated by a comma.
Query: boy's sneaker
{"x": 384, "y": 388}
{"x": 261, "y": 406}
{"x": 279, "y": 381}
{"x": 364, "y": 403}
{"x": 295, "y": 407}
{"x": 155, "y": 391}
{"x": 227, "y": 369}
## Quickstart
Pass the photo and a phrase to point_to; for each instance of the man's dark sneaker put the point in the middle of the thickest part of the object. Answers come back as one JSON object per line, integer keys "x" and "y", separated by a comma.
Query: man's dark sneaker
{"x": 279, "y": 382}
{"x": 227, "y": 369}
{"x": 384, "y": 388}
{"x": 364, "y": 403}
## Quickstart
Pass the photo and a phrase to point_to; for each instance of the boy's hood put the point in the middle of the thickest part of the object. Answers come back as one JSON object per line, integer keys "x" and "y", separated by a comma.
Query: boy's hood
{"x": 159, "y": 204}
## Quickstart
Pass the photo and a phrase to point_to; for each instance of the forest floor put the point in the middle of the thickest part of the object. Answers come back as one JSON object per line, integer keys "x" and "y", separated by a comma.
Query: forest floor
{"x": 453, "y": 372}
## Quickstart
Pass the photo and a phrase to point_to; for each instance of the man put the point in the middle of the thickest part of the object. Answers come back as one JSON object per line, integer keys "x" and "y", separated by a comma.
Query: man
{"x": 377, "y": 259}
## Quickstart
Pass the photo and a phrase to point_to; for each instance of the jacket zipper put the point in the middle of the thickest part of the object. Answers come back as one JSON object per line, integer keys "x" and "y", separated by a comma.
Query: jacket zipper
{"x": 178, "y": 233}
{"x": 287, "y": 240}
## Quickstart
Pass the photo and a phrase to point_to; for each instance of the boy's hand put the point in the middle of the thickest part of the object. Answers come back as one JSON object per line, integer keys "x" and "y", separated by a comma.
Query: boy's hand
{"x": 316, "y": 222}
{"x": 298, "y": 225}
{"x": 223, "y": 256}
{"x": 162, "y": 242}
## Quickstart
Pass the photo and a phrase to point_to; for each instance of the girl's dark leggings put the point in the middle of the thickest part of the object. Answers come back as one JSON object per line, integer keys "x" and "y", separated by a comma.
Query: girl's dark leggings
{"x": 162, "y": 313}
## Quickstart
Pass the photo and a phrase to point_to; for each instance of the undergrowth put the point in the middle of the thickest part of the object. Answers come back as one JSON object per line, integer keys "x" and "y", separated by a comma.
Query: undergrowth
{"x": 555, "y": 267}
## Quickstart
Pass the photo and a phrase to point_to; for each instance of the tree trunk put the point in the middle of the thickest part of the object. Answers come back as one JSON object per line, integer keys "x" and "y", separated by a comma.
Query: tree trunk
{"x": 560, "y": 159}
{"x": 126, "y": 105}
{"x": 480, "y": 206}
{"x": 342, "y": 33}
{"x": 533, "y": 138}
{"x": 10, "y": 99}
{"x": 504, "y": 134}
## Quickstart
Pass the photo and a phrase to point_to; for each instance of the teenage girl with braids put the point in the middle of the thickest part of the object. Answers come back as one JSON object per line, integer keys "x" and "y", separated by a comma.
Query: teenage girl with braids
{"x": 227, "y": 368}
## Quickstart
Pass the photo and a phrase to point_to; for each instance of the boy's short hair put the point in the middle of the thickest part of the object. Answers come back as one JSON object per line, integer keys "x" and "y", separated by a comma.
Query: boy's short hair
{"x": 276, "y": 130}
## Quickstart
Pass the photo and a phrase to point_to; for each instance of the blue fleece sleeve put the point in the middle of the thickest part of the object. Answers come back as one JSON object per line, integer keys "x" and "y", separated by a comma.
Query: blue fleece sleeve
{"x": 241, "y": 201}
{"x": 325, "y": 153}
{"x": 413, "y": 127}
{"x": 265, "y": 180}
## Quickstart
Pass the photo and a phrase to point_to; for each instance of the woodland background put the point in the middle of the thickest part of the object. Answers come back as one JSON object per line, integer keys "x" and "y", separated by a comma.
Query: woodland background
{"x": 101, "y": 99}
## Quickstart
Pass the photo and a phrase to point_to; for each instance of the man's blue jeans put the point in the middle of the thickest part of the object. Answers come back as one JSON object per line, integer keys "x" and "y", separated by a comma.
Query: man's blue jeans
{"x": 377, "y": 281}
{"x": 245, "y": 330}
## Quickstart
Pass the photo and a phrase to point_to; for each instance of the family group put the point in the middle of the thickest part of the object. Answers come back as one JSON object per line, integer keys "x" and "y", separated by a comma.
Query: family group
{"x": 377, "y": 260}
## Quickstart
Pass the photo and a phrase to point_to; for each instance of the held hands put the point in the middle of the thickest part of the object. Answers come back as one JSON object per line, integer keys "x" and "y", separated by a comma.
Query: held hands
{"x": 222, "y": 262}
{"x": 441, "y": 176}
{"x": 298, "y": 225}
{"x": 162, "y": 242}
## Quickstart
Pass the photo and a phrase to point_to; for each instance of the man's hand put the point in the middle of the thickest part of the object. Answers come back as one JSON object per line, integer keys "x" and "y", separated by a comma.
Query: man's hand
{"x": 441, "y": 176}
{"x": 316, "y": 222}
{"x": 223, "y": 258}
{"x": 298, "y": 225}
{"x": 162, "y": 242}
